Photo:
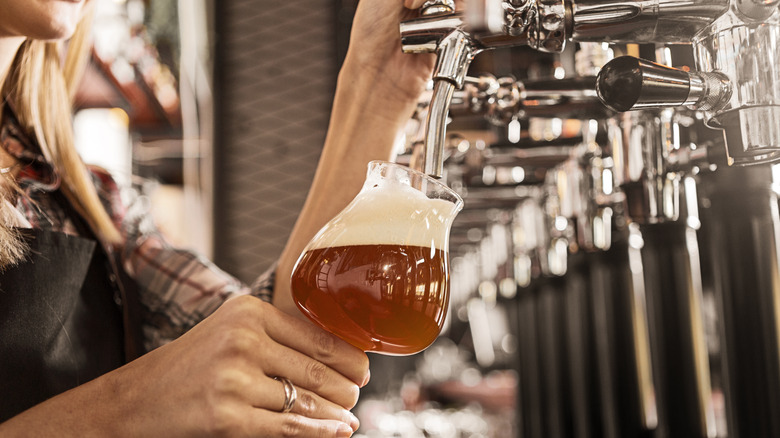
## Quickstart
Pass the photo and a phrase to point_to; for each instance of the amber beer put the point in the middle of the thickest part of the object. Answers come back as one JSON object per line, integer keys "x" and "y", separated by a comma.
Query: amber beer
{"x": 377, "y": 275}
{"x": 385, "y": 298}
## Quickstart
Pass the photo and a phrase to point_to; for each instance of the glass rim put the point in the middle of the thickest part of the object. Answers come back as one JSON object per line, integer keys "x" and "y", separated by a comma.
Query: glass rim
{"x": 458, "y": 199}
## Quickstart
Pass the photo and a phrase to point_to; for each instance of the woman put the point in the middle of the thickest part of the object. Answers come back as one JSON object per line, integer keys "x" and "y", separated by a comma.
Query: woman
{"x": 70, "y": 254}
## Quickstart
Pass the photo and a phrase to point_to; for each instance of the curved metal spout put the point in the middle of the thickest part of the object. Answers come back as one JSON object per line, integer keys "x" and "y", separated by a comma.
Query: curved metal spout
{"x": 454, "y": 54}
{"x": 436, "y": 127}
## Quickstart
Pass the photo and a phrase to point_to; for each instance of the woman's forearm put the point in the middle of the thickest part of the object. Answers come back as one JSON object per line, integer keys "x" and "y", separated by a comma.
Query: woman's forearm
{"x": 89, "y": 410}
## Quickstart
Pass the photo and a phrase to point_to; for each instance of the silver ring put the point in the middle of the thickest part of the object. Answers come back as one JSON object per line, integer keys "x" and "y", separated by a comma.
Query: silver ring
{"x": 290, "y": 394}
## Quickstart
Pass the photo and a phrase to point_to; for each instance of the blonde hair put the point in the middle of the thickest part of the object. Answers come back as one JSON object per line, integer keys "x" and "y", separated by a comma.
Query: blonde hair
{"x": 41, "y": 87}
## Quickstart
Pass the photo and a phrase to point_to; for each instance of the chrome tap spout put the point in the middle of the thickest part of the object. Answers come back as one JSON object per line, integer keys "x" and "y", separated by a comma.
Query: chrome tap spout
{"x": 440, "y": 33}
{"x": 548, "y": 24}
{"x": 436, "y": 128}
{"x": 643, "y": 21}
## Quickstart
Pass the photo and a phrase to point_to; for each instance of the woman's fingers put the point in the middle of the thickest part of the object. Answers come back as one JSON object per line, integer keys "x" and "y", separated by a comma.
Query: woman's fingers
{"x": 312, "y": 375}
{"x": 264, "y": 423}
{"x": 277, "y": 344}
{"x": 248, "y": 422}
{"x": 413, "y": 4}
{"x": 269, "y": 394}
{"x": 318, "y": 344}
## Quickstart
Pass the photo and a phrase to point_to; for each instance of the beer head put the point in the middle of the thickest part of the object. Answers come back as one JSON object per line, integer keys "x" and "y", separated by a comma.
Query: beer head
{"x": 389, "y": 210}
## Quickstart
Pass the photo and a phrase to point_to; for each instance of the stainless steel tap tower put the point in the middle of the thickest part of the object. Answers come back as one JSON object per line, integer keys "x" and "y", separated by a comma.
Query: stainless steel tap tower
{"x": 663, "y": 208}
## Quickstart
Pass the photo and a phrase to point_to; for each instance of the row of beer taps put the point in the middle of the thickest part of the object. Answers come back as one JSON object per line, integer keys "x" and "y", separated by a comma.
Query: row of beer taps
{"x": 658, "y": 197}
{"x": 734, "y": 42}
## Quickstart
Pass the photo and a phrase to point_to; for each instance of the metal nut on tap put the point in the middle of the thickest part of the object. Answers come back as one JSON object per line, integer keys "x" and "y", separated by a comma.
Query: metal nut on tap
{"x": 548, "y": 31}
{"x": 437, "y": 7}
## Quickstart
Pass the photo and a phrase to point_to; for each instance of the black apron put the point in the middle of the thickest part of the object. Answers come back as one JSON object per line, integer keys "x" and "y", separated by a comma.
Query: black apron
{"x": 61, "y": 320}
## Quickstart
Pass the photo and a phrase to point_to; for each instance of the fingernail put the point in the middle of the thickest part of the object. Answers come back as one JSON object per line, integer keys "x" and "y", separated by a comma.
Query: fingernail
{"x": 368, "y": 377}
{"x": 344, "y": 430}
{"x": 354, "y": 423}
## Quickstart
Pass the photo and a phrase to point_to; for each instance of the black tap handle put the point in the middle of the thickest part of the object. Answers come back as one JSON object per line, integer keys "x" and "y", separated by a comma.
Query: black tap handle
{"x": 627, "y": 83}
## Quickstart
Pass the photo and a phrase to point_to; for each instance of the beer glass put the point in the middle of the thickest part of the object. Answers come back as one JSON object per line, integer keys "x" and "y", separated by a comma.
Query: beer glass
{"x": 377, "y": 274}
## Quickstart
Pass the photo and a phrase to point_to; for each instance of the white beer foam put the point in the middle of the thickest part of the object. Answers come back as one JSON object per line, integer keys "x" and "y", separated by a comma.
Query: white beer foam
{"x": 390, "y": 213}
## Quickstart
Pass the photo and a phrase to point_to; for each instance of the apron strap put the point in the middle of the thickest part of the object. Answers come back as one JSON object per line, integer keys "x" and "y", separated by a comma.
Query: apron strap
{"x": 124, "y": 285}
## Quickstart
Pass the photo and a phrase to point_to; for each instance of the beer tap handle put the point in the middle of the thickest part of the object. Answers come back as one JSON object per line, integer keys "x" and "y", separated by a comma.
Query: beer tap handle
{"x": 627, "y": 83}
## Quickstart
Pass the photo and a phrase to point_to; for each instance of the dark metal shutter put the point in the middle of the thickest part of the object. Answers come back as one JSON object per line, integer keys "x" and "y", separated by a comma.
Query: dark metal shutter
{"x": 275, "y": 73}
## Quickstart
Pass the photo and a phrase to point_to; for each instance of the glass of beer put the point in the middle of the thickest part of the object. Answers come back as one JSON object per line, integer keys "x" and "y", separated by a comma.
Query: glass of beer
{"x": 377, "y": 274}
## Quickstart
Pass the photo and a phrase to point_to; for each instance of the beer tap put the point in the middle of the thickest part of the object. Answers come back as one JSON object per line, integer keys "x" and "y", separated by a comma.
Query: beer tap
{"x": 736, "y": 85}
{"x": 528, "y": 240}
{"x": 547, "y": 24}
{"x": 736, "y": 90}
{"x": 437, "y": 31}
{"x": 733, "y": 85}
{"x": 737, "y": 93}
{"x": 447, "y": 35}
{"x": 441, "y": 30}
{"x": 735, "y": 44}
{"x": 654, "y": 167}
{"x": 502, "y": 100}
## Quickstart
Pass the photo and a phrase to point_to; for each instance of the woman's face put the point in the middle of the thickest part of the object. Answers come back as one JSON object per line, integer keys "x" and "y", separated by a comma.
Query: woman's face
{"x": 40, "y": 19}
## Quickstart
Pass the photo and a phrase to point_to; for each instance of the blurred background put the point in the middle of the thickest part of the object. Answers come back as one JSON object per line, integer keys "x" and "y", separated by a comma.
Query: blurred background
{"x": 203, "y": 97}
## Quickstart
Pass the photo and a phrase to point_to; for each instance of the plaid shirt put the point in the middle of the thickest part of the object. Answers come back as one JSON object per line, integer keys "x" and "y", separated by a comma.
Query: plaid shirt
{"x": 177, "y": 288}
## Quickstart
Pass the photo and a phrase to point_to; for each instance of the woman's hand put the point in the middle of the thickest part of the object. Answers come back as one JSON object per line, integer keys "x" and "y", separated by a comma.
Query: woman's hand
{"x": 375, "y": 49}
{"x": 217, "y": 380}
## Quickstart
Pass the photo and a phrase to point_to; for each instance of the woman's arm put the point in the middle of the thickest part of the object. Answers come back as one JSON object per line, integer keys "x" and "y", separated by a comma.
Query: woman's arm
{"x": 377, "y": 91}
